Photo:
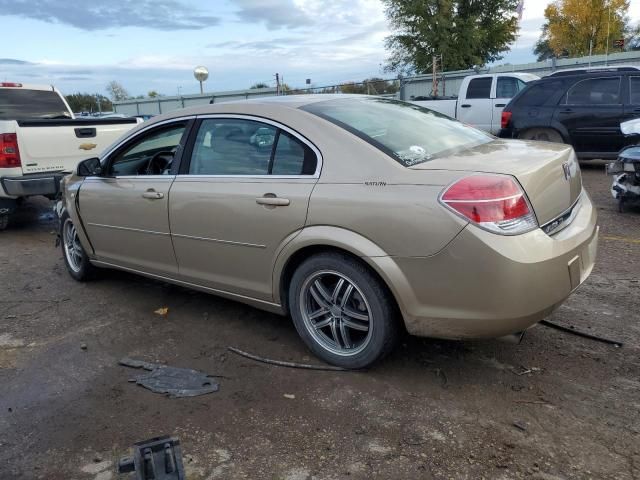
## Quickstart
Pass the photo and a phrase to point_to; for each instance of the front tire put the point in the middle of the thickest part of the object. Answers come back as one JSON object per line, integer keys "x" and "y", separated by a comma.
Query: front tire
{"x": 4, "y": 221}
{"x": 75, "y": 257}
{"x": 342, "y": 311}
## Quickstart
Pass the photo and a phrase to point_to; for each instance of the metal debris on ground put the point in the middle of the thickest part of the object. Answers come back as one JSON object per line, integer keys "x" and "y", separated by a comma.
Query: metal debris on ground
{"x": 174, "y": 381}
{"x": 562, "y": 328}
{"x": 159, "y": 458}
{"x": 281, "y": 363}
{"x": 526, "y": 371}
{"x": 520, "y": 425}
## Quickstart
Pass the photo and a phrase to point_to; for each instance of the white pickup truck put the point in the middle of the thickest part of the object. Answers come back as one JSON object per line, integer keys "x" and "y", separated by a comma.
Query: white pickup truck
{"x": 41, "y": 141}
{"x": 481, "y": 99}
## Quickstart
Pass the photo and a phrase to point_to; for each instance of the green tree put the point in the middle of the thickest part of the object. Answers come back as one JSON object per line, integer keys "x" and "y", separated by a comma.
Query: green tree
{"x": 152, "y": 94}
{"x": 87, "y": 102}
{"x": 576, "y": 26}
{"x": 466, "y": 33}
{"x": 353, "y": 87}
{"x": 259, "y": 85}
{"x": 116, "y": 91}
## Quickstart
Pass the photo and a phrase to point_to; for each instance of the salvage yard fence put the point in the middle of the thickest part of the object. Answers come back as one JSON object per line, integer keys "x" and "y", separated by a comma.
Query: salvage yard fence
{"x": 405, "y": 88}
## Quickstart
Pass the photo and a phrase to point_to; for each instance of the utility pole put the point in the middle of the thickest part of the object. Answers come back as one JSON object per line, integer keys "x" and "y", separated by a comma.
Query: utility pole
{"x": 606, "y": 58}
{"x": 277, "y": 84}
{"x": 435, "y": 68}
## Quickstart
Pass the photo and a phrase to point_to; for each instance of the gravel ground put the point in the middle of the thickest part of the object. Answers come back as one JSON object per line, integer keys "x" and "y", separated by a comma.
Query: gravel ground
{"x": 557, "y": 406}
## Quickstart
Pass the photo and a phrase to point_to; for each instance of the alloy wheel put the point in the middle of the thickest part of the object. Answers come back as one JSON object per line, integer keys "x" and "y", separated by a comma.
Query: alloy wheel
{"x": 336, "y": 313}
{"x": 72, "y": 246}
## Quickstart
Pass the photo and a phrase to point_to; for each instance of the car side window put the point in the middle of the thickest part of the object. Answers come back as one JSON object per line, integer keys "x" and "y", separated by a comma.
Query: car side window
{"x": 634, "y": 90}
{"x": 595, "y": 91}
{"x": 479, "y": 88}
{"x": 232, "y": 147}
{"x": 151, "y": 154}
{"x": 292, "y": 157}
{"x": 507, "y": 87}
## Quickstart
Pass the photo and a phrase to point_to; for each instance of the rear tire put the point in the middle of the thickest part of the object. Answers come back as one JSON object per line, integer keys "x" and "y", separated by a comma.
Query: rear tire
{"x": 75, "y": 257}
{"x": 4, "y": 221}
{"x": 342, "y": 311}
{"x": 541, "y": 134}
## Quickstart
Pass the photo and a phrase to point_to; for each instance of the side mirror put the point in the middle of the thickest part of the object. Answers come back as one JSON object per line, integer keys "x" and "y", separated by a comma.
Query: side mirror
{"x": 89, "y": 167}
{"x": 631, "y": 127}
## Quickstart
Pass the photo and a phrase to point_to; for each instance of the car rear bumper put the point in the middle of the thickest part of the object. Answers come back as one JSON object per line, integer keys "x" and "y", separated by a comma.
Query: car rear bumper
{"x": 506, "y": 133}
{"x": 30, "y": 185}
{"x": 484, "y": 285}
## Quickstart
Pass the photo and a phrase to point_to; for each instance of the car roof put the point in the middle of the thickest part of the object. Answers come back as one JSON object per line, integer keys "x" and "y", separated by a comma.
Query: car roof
{"x": 282, "y": 102}
{"x": 593, "y": 70}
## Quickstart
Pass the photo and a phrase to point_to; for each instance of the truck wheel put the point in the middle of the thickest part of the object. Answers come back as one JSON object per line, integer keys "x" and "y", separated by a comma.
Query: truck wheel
{"x": 342, "y": 311}
{"x": 4, "y": 221}
{"x": 541, "y": 134}
{"x": 75, "y": 257}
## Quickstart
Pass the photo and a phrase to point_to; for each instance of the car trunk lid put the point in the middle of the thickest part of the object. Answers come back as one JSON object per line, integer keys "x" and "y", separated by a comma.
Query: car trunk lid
{"x": 548, "y": 172}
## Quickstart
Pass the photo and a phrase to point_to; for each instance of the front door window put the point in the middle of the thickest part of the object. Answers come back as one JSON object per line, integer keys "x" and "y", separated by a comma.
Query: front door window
{"x": 151, "y": 155}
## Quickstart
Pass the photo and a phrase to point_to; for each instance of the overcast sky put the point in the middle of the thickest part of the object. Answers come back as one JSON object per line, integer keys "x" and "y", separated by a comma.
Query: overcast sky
{"x": 80, "y": 45}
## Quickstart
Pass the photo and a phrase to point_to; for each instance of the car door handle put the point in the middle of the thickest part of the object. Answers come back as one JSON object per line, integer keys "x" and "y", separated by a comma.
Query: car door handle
{"x": 466, "y": 105}
{"x": 500, "y": 105}
{"x": 273, "y": 201}
{"x": 566, "y": 110}
{"x": 153, "y": 195}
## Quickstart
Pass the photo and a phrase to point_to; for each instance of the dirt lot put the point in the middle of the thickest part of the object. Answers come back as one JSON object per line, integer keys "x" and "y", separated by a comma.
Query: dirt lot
{"x": 432, "y": 410}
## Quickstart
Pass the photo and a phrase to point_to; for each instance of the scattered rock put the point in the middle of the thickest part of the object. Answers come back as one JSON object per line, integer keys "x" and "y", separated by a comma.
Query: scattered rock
{"x": 83, "y": 346}
{"x": 290, "y": 396}
{"x": 163, "y": 311}
{"x": 95, "y": 468}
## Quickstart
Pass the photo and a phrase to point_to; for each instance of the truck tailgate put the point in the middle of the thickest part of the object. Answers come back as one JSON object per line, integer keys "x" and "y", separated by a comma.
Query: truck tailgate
{"x": 58, "y": 145}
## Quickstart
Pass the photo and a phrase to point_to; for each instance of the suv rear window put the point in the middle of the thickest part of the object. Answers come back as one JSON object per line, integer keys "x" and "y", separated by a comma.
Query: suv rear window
{"x": 538, "y": 93}
{"x": 25, "y": 104}
{"x": 408, "y": 133}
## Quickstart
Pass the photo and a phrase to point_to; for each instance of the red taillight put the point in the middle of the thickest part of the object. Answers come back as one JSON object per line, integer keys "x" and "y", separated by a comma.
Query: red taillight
{"x": 494, "y": 202}
{"x": 9, "y": 152}
{"x": 10, "y": 84}
{"x": 505, "y": 119}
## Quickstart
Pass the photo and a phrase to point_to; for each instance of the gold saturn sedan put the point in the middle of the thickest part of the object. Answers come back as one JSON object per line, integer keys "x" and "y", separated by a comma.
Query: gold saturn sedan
{"x": 357, "y": 216}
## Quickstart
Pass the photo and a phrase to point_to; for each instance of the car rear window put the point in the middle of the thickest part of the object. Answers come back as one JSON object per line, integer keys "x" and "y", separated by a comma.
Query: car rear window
{"x": 19, "y": 104}
{"x": 25, "y": 104}
{"x": 408, "y": 133}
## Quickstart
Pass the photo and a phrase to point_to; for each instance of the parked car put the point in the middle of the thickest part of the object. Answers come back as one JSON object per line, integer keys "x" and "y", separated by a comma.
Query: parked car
{"x": 40, "y": 139}
{"x": 626, "y": 169}
{"x": 584, "y": 109}
{"x": 350, "y": 213}
{"x": 481, "y": 99}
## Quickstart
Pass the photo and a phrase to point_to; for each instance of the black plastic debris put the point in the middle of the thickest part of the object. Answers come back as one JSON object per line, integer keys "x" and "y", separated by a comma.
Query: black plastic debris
{"x": 173, "y": 381}
{"x": 159, "y": 458}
